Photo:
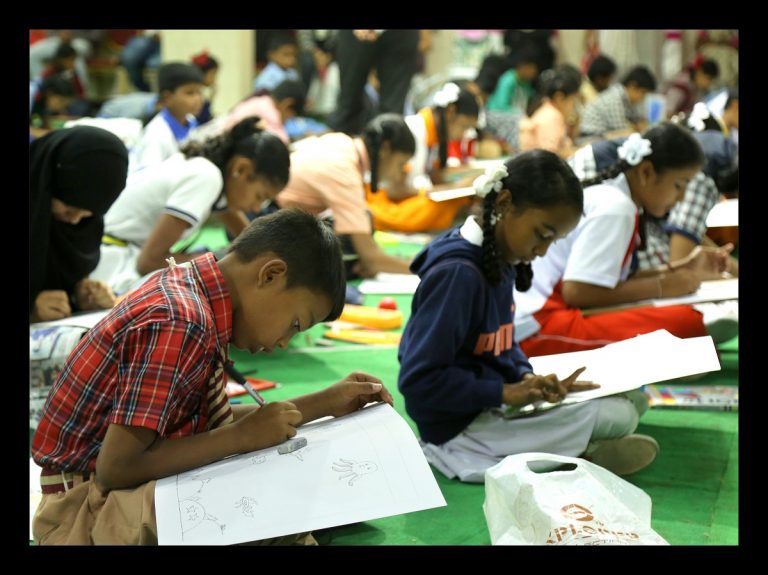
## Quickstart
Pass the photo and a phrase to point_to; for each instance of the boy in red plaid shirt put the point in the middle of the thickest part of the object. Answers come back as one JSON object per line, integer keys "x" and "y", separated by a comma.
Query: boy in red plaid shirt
{"x": 142, "y": 395}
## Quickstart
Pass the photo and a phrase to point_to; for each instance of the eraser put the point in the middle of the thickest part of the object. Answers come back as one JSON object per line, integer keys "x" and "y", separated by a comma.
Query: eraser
{"x": 292, "y": 445}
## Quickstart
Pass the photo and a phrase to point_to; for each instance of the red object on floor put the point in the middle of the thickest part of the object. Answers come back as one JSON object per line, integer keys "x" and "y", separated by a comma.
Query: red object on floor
{"x": 387, "y": 303}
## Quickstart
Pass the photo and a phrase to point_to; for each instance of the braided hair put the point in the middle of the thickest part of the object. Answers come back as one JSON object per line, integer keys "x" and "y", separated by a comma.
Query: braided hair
{"x": 268, "y": 153}
{"x": 386, "y": 128}
{"x": 536, "y": 179}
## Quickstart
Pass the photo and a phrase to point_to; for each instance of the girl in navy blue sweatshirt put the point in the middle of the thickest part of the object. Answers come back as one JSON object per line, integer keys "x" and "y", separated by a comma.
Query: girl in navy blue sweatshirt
{"x": 463, "y": 376}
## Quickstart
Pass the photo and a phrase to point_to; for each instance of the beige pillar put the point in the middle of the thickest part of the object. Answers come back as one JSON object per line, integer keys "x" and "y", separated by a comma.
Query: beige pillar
{"x": 235, "y": 51}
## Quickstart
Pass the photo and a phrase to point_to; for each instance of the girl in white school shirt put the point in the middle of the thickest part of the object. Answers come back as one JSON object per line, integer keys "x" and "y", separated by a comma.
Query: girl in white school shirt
{"x": 229, "y": 175}
{"x": 593, "y": 265}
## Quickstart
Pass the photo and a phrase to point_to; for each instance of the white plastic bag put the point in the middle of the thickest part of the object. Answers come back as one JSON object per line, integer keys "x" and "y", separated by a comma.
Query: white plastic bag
{"x": 587, "y": 505}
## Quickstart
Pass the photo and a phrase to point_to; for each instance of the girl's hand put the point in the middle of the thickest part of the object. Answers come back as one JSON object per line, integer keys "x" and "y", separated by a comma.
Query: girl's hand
{"x": 51, "y": 305}
{"x": 544, "y": 387}
{"x": 354, "y": 392}
{"x": 682, "y": 281}
{"x": 94, "y": 294}
{"x": 708, "y": 263}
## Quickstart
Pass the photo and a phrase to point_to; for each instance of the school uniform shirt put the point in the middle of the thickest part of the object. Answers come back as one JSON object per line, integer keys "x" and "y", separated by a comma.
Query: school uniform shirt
{"x": 458, "y": 347}
{"x": 272, "y": 76}
{"x": 147, "y": 364}
{"x": 327, "y": 172}
{"x": 139, "y": 105}
{"x": 160, "y": 140}
{"x": 186, "y": 188}
{"x": 546, "y": 129}
{"x": 598, "y": 252}
{"x": 422, "y": 126}
{"x": 610, "y": 111}
{"x": 688, "y": 217}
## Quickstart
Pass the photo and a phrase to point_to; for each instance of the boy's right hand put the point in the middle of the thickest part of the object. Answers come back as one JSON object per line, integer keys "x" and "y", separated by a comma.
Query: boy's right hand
{"x": 51, "y": 305}
{"x": 267, "y": 426}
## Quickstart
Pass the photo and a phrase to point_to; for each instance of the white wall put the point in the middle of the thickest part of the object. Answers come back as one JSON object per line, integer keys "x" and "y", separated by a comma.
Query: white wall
{"x": 234, "y": 49}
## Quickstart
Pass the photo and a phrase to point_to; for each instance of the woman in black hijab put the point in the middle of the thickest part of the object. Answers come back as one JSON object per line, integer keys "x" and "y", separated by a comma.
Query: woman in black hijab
{"x": 74, "y": 176}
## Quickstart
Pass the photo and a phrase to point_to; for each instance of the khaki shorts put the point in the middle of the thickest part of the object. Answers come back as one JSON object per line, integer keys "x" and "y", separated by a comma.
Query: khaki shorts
{"x": 85, "y": 516}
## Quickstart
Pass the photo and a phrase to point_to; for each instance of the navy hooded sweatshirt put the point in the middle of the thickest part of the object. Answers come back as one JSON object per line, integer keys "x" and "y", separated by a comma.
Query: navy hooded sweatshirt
{"x": 458, "y": 348}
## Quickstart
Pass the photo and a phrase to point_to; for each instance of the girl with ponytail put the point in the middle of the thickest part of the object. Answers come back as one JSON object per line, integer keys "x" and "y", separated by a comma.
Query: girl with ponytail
{"x": 459, "y": 360}
{"x": 454, "y": 111}
{"x": 228, "y": 175}
{"x": 332, "y": 171}
{"x": 595, "y": 265}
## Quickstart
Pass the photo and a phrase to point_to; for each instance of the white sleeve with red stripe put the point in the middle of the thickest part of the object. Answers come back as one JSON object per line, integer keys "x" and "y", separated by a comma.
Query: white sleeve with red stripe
{"x": 602, "y": 239}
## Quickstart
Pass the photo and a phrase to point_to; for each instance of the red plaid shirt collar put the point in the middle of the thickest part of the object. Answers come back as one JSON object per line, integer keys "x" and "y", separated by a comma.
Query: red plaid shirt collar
{"x": 212, "y": 281}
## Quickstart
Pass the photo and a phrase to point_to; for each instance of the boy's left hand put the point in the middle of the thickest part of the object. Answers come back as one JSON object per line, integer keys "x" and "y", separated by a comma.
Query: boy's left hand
{"x": 354, "y": 392}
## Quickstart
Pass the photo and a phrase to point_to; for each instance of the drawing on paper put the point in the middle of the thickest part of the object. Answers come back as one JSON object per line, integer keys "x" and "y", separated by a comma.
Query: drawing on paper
{"x": 300, "y": 453}
{"x": 191, "y": 512}
{"x": 247, "y": 506}
{"x": 353, "y": 469}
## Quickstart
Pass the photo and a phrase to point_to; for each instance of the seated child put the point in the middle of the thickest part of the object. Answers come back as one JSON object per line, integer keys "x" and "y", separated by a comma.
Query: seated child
{"x": 150, "y": 380}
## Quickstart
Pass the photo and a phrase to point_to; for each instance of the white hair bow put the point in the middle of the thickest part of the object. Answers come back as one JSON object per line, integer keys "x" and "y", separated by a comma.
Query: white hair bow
{"x": 634, "y": 149}
{"x": 490, "y": 180}
{"x": 699, "y": 113}
{"x": 448, "y": 94}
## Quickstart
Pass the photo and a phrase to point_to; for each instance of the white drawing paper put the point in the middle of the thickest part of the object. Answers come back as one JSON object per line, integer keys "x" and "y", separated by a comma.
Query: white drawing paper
{"x": 724, "y": 214}
{"x": 354, "y": 468}
{"x": 388, "y": 283}
{"x": 630, "y": 364}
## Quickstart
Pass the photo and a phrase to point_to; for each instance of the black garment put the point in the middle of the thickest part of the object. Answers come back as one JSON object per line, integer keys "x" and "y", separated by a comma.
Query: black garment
{"x": 535, "y": 41}
{"x": 394, "y": 56}
{"x": 84, "y": 167}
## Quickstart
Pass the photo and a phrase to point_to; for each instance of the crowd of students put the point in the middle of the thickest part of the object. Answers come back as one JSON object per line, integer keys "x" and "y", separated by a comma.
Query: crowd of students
{"x": 537, "y": 241}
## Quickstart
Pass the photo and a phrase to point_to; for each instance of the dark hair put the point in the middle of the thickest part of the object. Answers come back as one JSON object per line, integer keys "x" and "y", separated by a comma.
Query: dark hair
{"x": 309, "y": 247}
{"x": 174, "y": 75}
{"x": 268, "y": 153}
{"x": 536, "y": 179}
{"x": 642, "y": 77}
{"x": 59, "y": 84}
{"x": 733, "y": 96}
{"x": 65, "y": 50}
{"x": 601, "y": 67}
{"x": 672, "y": 147}
{"x": 386, "y": 128}
{"x": 565, "y": 79}
{"x": 291, "y": 89}
{"x": 491, "y": 69}
{"x": 465, "y": 104}
{"x": 526, "y": 54}
{"x": 280, "y": 39}
{"x": 325, "y": 40}
{"x": 707, "y": 67}
{"x": 205, "y": 61}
